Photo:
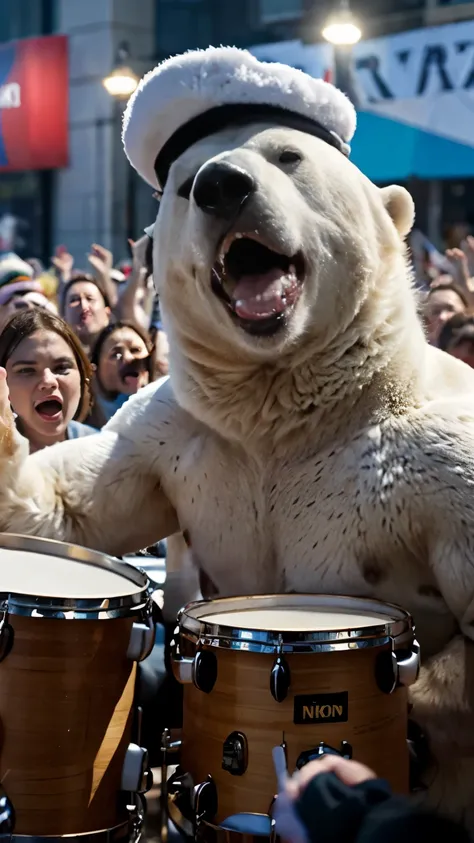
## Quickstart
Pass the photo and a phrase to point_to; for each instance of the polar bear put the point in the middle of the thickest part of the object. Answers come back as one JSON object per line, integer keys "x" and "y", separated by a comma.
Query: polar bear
{"x": 308, "y": 439}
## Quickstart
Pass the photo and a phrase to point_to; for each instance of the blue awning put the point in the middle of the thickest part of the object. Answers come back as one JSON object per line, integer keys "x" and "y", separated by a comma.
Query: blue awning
{"x": 389, "y": 151}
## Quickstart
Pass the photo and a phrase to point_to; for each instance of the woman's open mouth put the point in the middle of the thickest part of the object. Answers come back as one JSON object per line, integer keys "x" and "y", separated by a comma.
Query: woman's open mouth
{"x": 130, "y": 373}
{"x": 260, "y": 287}
{"x": 50, "y": 410}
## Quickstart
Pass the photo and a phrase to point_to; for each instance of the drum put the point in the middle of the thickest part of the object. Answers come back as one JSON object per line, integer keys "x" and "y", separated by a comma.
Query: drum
{"x": 313, "y": 673}
{"x": 73, "y": 625}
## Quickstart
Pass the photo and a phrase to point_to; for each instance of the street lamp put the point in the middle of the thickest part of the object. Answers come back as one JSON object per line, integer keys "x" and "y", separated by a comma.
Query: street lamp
{"x": 122, "y": 81}
{"x": 341, "y": 28}
{"x": 120, "y": 84}
{"x": 342, "y": 31}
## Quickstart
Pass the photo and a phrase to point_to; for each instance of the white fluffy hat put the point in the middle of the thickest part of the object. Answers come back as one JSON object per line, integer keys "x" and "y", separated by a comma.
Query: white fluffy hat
{"x": 196, "y": 94}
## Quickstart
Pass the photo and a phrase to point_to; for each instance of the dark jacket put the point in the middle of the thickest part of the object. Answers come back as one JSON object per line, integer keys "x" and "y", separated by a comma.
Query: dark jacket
{"x": 332, "y": 812}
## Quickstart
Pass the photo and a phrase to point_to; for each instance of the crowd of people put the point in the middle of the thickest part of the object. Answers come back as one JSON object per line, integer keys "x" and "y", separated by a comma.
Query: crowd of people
{"x": 75, "y": 342}
{"x": 447, "y": 299}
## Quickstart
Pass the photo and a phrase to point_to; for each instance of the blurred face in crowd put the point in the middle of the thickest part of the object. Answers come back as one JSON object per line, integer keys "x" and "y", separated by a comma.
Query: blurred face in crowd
{"x": 463, "y": 350}
{"x": 123, "y": 365}
{"x": 85, "y": 310}
{"x": 439, "y": 307}
{"x": 23, "y": 301}
{"x": 45, "y": 386}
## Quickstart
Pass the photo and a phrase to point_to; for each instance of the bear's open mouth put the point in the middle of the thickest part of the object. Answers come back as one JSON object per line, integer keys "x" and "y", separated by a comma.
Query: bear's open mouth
{"x": 259, "y": 285}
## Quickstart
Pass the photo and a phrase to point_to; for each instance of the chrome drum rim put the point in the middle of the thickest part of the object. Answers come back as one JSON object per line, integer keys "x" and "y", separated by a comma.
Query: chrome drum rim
{"x": 71, "y": 608}
{"x": 398, "y": 629}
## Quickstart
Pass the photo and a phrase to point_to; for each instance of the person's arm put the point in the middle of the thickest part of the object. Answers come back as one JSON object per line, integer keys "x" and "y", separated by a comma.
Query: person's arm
{"x": 101, "y": 260}
{"x": 462, "y": 276}
{"x": 128, "y": 306}
{"x": 98, "y": 491}
{"x": 63, "y": 263}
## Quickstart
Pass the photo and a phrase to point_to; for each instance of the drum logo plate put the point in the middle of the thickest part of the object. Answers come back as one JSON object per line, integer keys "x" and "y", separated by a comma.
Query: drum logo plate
{"x": 328, "y": 708}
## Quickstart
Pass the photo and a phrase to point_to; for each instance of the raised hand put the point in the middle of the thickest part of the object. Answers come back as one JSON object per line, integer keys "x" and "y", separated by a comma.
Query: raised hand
{"x": 460, "y": 265}
{"x": 468, "y": 248}
{"x": 8, "y": 444}
{"x": 63, "y": 261}
{"x": 101, "y": 259}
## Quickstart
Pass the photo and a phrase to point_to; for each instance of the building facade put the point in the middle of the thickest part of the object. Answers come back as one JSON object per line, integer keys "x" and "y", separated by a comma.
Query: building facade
{"x": 94, "y": 197}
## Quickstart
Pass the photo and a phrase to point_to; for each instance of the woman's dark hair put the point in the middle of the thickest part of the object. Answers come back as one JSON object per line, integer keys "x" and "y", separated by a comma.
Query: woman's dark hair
{"x": 111, "y": 329}
{"x": 28, "y": 322}
{"x": 452, "y": 287}
{"x": 83, "y": 277}
{"x": 457, "y": 329}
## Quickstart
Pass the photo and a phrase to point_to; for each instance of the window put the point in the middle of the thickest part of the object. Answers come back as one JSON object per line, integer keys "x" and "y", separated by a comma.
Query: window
{"x": 279, "y": 10}
{"x": 25, "y": 18}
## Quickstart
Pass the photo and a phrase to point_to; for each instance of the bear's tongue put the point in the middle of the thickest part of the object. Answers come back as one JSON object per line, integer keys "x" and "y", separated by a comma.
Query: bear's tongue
{"x": 264, "y": 294}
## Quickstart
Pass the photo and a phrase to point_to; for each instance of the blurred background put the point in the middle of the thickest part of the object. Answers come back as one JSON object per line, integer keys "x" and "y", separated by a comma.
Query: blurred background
{"x": 65, "y": 179}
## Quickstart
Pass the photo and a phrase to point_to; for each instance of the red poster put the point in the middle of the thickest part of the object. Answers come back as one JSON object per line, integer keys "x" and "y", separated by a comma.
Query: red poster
{"x": 34, "y": 104}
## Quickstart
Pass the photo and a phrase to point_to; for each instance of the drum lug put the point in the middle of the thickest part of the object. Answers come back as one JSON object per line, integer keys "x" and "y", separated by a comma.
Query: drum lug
{"x": 142, "y": 640}
{"x": 135, "y": 772}
{"x": 205, "y": 671}
{"x": 408, "y": 669}
{"x": 280, "y": 679}
{"x": 6, "y": 634}
{"x": 235, "y": 754}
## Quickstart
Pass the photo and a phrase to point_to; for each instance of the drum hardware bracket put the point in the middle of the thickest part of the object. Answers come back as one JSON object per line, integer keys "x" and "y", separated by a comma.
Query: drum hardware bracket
{"x": 320, "y": 751}
{"x": 6, "y": 633}
{"x": 205, "y": 801}
{"x": 136, "y": 812}
{"x": 135, "y": 771}
{"x": 7, "y": 815}
{"x": 142, "y": 640}
{"x": 392, "y": 671}
{"x": 167, "y": 746}
{"x": 200, "y": 670}
{"x": 280, "y": 677}
{"x": 408, "y": 669}
{"x": 235, "y": 754}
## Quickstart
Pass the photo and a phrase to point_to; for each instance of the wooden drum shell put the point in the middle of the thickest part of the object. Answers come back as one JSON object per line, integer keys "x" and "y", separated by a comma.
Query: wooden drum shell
{"x": 241, "y": 701}
{"x": 66, "y": 706}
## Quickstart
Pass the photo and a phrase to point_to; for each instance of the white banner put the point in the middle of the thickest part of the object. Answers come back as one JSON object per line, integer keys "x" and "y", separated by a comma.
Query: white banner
{"x": 426, "y": 61}
{"x": 424, "y": 77}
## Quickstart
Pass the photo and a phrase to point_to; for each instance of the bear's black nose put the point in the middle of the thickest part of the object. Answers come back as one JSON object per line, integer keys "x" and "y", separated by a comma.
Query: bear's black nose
{"x": 221, "y": 189}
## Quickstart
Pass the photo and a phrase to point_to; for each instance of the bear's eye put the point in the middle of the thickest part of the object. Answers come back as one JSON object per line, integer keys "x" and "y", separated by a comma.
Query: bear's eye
{"x": 185, "y": 189}
{"x": 289, "y": 156}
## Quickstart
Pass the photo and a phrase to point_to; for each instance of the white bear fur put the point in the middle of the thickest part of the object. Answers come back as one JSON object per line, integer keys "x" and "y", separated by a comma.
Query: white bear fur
{"x": 187, "y": 85}
{"x": 336, "y": 457}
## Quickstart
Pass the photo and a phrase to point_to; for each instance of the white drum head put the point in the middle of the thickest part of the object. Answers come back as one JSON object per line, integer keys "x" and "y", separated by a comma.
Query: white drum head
{"x": 294, "y": 613}
{"x": 293, "y": 620}
{"x": 48, "y": 569}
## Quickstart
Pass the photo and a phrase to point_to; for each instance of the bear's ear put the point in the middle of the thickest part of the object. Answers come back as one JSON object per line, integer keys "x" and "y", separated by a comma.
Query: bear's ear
{"x": 400, "y": 206}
